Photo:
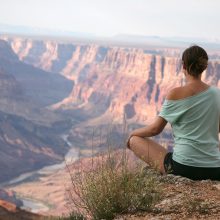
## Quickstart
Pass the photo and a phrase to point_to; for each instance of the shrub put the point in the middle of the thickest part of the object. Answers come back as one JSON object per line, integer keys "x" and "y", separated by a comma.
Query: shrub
{"x": 111, "y": 187}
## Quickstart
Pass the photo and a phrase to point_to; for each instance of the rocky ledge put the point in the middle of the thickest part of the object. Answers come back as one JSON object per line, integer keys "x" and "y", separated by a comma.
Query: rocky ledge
{"x": 183, "y": 198}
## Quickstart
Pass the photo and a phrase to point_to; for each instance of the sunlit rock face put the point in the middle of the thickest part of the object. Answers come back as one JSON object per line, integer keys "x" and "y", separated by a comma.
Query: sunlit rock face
{"x": 111, "y": 80}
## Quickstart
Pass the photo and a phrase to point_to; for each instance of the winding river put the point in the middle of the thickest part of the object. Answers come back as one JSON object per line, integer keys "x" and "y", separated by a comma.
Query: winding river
{"x": 34, "y": 205}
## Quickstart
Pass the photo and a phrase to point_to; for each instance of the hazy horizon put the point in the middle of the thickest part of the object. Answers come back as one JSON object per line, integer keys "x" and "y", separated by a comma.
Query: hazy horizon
{"x": 188, "y": 19}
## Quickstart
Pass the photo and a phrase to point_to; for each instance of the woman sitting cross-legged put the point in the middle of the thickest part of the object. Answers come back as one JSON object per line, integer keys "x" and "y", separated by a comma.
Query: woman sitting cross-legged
{"x": 193, "y": 111}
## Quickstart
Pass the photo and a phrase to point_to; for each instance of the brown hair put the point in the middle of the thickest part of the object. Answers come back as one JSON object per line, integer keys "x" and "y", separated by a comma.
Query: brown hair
{"x": 195, "y": 60}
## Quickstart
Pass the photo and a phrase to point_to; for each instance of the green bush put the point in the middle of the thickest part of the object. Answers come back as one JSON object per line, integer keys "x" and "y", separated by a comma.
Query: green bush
{"x": 110, "y": 187}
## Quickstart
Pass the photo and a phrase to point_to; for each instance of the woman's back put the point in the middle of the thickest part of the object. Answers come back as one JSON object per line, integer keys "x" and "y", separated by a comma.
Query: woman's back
{"x": 194, "y": 114}
{"x": 193, "y": 111}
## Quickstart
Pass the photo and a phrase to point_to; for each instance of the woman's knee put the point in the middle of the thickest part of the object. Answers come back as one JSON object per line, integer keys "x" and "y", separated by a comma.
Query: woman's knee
{"x": 134, "y": 141}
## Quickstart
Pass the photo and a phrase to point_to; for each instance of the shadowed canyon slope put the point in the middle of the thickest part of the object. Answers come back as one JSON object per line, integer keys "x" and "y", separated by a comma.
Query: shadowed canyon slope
{"x": 29, "y": 135}
{"x": 41, "y": 87}
{"x": 112, "y": 80}
{"x": 27, "y": 146}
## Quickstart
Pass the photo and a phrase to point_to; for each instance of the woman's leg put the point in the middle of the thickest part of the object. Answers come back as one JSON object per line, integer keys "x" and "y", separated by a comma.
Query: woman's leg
{"x": 149, "y": 151}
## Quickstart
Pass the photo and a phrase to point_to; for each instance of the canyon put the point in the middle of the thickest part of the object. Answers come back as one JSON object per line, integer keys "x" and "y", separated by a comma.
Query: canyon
{"x": 28, "y": 131}
{"x": 111, "y": 80}
{"x": 89, "y": 92}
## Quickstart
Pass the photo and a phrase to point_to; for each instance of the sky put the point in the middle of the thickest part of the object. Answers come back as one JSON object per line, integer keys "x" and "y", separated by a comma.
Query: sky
{"x": 165, "y": 18}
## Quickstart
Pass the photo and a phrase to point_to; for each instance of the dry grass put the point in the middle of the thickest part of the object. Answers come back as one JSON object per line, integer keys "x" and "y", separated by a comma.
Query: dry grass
{"x": 110, "y": 187}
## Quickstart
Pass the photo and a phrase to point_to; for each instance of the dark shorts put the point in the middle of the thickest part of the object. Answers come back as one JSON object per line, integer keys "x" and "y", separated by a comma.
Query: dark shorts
{"x": 194, "y": 173}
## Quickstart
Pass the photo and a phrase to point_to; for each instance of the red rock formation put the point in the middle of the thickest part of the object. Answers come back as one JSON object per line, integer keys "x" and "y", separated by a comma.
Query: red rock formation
{"x": 9, "y": 196}
{"x": 9, "y": 211}
{"x": 112, "y": 80}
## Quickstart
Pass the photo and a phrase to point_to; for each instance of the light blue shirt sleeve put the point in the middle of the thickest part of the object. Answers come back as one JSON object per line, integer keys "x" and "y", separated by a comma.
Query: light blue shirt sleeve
{"x": 171, "y": 111}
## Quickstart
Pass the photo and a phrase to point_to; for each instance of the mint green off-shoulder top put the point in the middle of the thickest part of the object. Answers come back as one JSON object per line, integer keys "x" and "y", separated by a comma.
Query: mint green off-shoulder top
{"x": 195, "y": 125}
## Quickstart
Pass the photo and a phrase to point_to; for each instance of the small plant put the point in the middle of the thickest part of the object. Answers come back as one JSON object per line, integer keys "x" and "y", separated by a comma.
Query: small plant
{"x": 110, "y": 187}
{"x": 112, "y": 184}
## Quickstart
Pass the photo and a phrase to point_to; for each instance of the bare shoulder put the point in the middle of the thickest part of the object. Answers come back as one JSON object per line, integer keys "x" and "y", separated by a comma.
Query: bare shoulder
{"x": 186, "y": 91}
{"x": 175, "y": 93}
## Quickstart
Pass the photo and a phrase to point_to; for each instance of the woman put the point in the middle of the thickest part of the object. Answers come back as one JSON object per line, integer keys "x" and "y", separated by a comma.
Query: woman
{"x": 193, "y": 111}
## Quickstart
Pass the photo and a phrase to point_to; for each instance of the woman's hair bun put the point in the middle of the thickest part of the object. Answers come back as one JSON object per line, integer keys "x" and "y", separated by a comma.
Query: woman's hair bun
{"x": 195, "y": 60}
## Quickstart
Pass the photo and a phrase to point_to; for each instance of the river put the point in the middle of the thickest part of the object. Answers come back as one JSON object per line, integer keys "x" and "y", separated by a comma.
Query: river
{"x": 34, "y": 205}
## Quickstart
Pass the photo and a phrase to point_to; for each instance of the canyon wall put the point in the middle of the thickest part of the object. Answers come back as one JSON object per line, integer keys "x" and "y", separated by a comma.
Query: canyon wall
{"x": 111, "y": 80}
{"x": 29, "y": 132}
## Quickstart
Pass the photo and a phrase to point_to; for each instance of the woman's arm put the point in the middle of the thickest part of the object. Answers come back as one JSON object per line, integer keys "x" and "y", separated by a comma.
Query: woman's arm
{"x": 153, "y": 129}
